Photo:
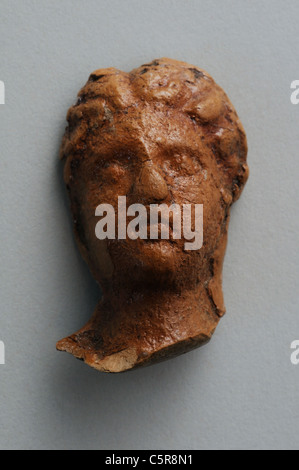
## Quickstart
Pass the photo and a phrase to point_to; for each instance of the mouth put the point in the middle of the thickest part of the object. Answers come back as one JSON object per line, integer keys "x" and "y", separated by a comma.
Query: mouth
{"x": 154, "y": 232}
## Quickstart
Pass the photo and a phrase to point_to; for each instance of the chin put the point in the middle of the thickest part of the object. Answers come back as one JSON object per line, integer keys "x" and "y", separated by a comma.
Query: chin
{"x": 151, "y": 262}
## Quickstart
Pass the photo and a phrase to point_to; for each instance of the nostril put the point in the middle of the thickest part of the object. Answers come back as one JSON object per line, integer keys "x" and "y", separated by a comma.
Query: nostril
{"x": 151, "y": 184}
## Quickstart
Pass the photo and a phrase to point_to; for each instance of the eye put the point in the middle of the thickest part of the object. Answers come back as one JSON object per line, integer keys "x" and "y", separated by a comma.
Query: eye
{"x": 182, "y": 165}
{"x": 112, "y": 173}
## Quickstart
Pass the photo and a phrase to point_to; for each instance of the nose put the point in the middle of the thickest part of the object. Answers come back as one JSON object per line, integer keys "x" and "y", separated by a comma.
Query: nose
{"x": 150, "y": 184}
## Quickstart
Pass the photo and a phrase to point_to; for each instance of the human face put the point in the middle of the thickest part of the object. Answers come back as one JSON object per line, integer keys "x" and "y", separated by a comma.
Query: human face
{"x": 150, "y": 159}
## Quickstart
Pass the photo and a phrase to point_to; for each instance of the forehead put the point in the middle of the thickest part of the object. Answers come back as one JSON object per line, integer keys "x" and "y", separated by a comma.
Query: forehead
{"x": 148, "y": 133}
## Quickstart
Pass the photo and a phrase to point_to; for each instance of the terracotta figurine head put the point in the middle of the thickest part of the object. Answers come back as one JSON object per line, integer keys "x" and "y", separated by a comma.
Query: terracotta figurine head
{"x": 164, "y": 133}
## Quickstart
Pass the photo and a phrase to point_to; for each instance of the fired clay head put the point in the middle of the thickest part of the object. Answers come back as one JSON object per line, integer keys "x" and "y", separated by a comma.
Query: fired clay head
{"x": 163, "y": 133}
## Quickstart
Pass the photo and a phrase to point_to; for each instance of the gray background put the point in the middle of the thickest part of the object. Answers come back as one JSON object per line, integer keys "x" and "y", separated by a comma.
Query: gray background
{"x": 241, "y": 390}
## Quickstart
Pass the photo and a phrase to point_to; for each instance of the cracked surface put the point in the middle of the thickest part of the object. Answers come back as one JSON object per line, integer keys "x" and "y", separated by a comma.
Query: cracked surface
{"x": 163, "y": 133}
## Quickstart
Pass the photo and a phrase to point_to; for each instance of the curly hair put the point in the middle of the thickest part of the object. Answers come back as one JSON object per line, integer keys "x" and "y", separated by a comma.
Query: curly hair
{"x": 163, "y": 84}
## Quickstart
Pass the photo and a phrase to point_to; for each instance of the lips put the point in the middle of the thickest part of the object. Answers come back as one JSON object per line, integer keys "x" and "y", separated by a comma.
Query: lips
{"x": 160, "y": 231}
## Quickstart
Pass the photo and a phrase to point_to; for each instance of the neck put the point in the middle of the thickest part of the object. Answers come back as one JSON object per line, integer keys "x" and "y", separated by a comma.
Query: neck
{"x": 142, "y": 327}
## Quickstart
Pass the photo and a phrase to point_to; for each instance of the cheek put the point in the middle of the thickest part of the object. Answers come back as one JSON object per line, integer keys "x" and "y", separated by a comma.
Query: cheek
{"x": 106, "y": 188}
{"x": 190, "y": 189}
{"x": 214, "y": 215}
{"x": 193, "y": 190}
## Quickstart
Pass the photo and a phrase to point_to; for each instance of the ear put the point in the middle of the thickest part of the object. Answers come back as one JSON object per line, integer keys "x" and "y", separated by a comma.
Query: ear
{"x": 240, "y": 181}
{"x": 230, "y": 150}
